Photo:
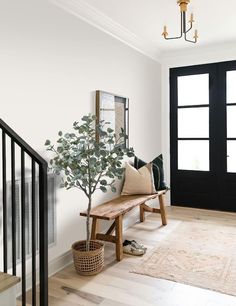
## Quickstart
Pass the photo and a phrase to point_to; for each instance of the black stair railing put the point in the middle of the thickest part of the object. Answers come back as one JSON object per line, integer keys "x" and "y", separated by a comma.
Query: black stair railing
{"x": 38, "y": 167}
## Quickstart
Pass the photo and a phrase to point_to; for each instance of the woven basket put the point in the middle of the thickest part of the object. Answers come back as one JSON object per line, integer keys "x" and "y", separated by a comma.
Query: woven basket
{"x": 91, "y": 262}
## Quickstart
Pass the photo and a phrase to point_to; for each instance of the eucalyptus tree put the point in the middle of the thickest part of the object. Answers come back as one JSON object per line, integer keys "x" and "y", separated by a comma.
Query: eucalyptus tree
{"x": 90, "y": 158}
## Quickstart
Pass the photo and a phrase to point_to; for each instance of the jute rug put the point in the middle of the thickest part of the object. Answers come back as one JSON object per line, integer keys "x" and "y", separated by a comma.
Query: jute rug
{"x": 200, "y": 254}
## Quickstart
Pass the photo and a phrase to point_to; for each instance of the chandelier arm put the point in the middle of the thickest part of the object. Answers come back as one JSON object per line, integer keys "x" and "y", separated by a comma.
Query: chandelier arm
{"x": 184, "y": 22}
{"x": 181, "y": 35}
{"x": 191, "y": 41}
{"x": 171, "y": 38}
{"x": 190, "y": 28}
{"x": 188, "y": 40}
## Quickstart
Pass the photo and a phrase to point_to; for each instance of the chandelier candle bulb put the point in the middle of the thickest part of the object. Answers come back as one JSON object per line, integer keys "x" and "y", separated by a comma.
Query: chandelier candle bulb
{"x": 196, "y": 35}
{"x": 165, "y": 31}
{"x": 191, "y": 19}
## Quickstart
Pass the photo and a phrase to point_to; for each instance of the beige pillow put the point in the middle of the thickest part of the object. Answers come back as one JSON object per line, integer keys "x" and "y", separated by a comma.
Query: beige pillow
{"x": 138, "y": 181}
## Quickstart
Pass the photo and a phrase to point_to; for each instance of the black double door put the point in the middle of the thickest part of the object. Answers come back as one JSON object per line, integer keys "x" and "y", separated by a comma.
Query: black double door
{"x": 203, "y": 136}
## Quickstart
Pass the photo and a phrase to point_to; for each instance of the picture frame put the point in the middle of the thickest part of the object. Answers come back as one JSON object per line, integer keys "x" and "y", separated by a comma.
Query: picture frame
{"x": 114, "y": 109}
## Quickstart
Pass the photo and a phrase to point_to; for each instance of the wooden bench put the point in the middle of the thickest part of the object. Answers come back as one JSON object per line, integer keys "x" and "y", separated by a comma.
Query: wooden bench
{"x": 116, "y": 209}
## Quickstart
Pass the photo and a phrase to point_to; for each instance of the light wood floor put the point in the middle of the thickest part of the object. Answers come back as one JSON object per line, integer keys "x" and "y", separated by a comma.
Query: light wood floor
{"x": 116, "y": 286}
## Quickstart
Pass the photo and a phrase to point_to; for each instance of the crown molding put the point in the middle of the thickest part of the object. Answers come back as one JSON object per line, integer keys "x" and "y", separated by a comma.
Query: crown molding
{"x": 104, "y": 23}
{"x": 216, "y": 52}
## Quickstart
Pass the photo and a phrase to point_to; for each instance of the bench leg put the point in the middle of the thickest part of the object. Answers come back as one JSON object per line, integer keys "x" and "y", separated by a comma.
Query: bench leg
{"x": 94, "y": 228}
{"x": 119, "y": 238}
{"x": 142, "y": 213}
{"x": 162, "y": 209}
{"x": 145, "y": 208}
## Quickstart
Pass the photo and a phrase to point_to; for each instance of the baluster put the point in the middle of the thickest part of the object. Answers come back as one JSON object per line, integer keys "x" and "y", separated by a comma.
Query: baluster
{"x": 4, "y": 202}
{"x": 43, "y": 234}
{"x": 23, "y": 258}
{"x": 34, "y": 230}
{"x": 13, "y": 206}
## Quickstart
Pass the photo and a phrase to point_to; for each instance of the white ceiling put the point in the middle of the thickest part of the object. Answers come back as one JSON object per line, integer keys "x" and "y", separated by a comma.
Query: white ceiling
{"x": 215, "y": 20}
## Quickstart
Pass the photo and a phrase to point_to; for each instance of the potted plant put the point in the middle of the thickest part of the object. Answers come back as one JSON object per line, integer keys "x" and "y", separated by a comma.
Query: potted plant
{"x": 89, "y": 163}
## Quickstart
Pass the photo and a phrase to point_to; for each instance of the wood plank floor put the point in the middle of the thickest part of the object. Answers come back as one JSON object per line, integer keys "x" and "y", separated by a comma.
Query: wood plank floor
{"x": 116, "y": 286}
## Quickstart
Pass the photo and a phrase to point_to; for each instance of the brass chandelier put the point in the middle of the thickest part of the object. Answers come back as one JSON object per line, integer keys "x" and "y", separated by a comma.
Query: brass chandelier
{"x": 184, "y": 24}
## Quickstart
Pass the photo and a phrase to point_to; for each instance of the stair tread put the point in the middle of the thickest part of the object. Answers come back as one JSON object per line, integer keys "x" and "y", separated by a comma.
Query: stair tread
{"x": 7, "y": 281}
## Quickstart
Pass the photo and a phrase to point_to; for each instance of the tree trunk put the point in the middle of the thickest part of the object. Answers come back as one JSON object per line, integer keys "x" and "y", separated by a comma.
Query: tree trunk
{"x": 88, "y": 224}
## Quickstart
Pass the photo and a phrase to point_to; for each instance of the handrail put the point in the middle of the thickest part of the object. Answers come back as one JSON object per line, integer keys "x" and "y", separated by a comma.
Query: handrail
{"x": 17, "y": 139}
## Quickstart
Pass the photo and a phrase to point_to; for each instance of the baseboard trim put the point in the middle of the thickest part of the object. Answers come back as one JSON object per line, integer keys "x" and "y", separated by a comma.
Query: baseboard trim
{"x": 54, "y": 266}
{"x": 59, "y": 263}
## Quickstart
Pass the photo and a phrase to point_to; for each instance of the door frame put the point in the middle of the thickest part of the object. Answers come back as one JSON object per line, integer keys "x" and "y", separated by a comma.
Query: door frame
{"x": 217, "y": 134}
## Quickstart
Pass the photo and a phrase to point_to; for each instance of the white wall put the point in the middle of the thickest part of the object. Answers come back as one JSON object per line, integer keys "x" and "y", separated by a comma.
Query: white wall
{"x": 51, "y": 63}
{"x": 181, "y": 58}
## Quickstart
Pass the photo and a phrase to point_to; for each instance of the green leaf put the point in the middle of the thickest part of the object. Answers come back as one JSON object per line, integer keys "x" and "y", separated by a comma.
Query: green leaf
{"x": 59, "y": 149}
{"x": 110, "y": 141}
{"x": 113, "y": 189}
{"x": 109, "y": 130}
{"x": 47, "y": 142}
{"x": 60, "y": 133}
{"x": 103, "y": 189}
{"x": 103, "y": 153}
{"x": 110, "y": 175}
{"x": 103, "y": 182}
{"x": 120, "y": 171}
{"x": 93, "y": 160}
{"x": 130, "y": 154}
{"x": 102, "y": 145}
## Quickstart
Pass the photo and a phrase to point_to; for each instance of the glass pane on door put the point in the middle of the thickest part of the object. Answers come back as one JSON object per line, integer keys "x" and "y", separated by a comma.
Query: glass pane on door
{"x": 231, "y": 86}
{"x": 231, "y": 154}
{"x": 193, "y": 89}
{"x": 231, "y": 121}
{"x": 193, "y": 122}
{"x": 193, "y": 155}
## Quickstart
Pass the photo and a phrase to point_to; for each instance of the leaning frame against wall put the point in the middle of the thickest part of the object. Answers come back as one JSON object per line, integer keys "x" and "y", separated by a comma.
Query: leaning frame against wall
{"x": 114, "y": 109}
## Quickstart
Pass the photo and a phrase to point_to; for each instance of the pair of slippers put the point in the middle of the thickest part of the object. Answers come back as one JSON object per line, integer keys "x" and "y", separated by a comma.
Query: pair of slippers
{"x": 132, "y": 247}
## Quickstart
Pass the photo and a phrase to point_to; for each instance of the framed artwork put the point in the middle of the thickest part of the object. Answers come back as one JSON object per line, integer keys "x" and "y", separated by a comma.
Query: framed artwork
{"x": 114, "y": 109}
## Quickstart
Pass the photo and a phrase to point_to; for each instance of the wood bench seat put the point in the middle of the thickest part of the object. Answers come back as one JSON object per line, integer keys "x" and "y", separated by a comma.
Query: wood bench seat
{"x": 116, "y": 209}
